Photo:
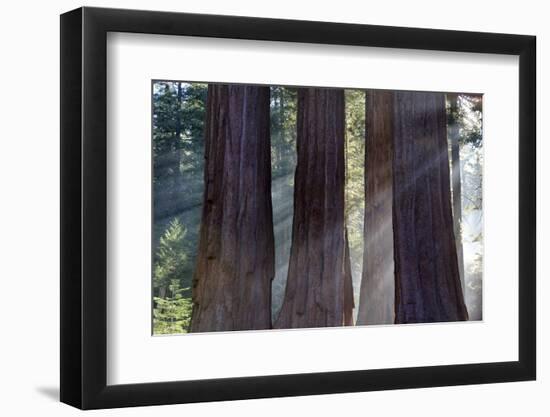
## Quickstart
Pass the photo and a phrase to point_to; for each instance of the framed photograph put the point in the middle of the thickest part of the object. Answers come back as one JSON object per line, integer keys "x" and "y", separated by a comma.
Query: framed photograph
{"x": 255, "y": 208}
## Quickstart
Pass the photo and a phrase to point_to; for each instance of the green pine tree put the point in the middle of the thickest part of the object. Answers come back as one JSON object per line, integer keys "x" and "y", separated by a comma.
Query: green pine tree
{"x": 170, "y": 259}
{"x": 173, "y": 314}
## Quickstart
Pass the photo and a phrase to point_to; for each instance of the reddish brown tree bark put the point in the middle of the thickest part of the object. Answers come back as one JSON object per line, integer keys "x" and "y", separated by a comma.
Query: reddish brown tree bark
{"x": 426, "y": 268}
{"x": 376, "y": 303}
{"x": 314, "y": 295}
{"x": 235, "y": 261}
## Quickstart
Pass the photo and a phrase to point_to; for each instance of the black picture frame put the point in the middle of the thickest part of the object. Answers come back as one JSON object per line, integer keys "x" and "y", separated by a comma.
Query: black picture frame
{"x": 84, "y": 207}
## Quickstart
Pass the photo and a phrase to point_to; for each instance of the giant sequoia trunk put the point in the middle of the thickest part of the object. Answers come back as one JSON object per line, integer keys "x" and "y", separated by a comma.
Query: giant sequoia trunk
{"x": 235, "y": 261}
{"x": 426, "y": 267}
{"x": 376, "y": 305}
{"x": 454, "y": 134}
{"x": 314, "y": 295}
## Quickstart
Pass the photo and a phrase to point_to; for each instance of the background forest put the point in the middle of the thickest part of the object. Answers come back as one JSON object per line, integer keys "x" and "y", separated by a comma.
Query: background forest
{"x": 179, "y": 112}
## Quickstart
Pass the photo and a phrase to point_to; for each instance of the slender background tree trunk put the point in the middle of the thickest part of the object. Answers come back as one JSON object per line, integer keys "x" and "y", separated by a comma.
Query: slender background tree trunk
{"x": 426, "y": 267}
{"x": 454, "y": 136}
{"x": 235, "y": 261}
{"x": 349, "y": 304}
{"x": 314, "y": 295}
{"x": 376, "y": 302}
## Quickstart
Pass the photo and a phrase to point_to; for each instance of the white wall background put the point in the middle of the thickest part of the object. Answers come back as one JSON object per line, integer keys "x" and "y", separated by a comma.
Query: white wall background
{"x": 29, "y": 225}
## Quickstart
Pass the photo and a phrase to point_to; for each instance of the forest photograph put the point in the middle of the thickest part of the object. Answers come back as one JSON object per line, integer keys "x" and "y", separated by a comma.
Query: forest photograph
{"x": 284, "y": 207}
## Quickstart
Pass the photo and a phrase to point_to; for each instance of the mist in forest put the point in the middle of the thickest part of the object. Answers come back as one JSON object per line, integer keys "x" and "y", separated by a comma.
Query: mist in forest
{"x": 179, "y": 115}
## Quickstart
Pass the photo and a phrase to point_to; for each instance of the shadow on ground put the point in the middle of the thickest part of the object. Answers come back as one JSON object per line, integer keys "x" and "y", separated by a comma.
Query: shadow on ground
{"x": 50, "y": 392}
